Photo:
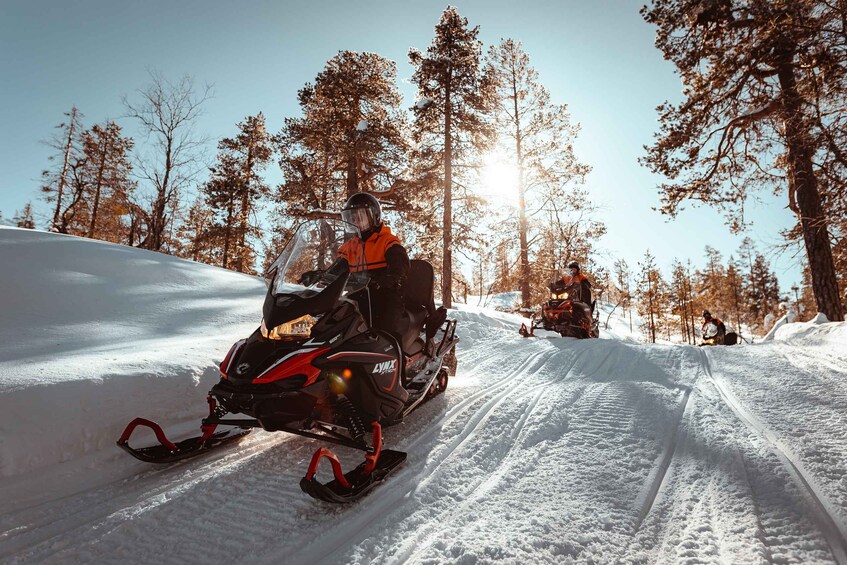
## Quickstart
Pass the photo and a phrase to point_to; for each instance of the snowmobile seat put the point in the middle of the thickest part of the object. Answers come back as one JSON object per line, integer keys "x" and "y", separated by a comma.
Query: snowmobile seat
{"x": 420, "y": 303}
{"x": 418, "y": 288}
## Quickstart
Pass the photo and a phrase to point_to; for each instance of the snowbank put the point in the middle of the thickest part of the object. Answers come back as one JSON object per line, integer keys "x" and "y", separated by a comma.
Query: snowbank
{"x": 817, "y": 330}
{"x": 94, "y": 334}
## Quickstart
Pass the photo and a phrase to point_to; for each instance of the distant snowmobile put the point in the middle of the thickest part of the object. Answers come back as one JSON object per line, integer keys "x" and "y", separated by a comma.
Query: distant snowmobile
{"x": 714, "y": 332}
{"x": 316, "y": 368}
{"x": 567, "y": 317}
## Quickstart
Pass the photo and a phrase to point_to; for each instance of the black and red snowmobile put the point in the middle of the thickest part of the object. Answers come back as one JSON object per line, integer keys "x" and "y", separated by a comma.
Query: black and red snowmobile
{"x": 569, "y": 318}
{"x": 316, "y": 368}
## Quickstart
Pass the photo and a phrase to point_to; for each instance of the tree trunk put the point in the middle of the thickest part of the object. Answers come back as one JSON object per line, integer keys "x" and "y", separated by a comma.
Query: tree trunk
{"x": 61, "y": 188}
{"x": 803, "y": 184}
{"x": 97, "y": 187}
{"x": 158, "y": 220}
{"x": 447, "y": 262}
{"x": 650, "y": 306}
{"x": 227, "y": 231}
{"x": 245, "y": 209}
{"x": 521, "y": 201}
{"x": 352, "y": 177}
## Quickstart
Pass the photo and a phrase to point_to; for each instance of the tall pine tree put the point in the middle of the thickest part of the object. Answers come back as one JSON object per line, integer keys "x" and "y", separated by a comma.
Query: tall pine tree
{"x": 538, "y": 135}
{"x": 756, "y": 74}
{"x": 452, "y": 124}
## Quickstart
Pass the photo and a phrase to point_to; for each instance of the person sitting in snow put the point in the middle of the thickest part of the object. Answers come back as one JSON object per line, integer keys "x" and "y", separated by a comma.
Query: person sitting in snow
{"x": 574, "y": 283}
{"x": 714, "y": 331}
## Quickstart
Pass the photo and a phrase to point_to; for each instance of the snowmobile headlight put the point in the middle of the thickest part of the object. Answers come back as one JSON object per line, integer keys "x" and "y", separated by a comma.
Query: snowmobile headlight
{"x": 300, "y": 327}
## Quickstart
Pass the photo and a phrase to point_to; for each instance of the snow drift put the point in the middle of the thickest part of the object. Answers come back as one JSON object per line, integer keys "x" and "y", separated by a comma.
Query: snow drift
{"x": 94, "y": 332}
{"x": 543, "y": 450}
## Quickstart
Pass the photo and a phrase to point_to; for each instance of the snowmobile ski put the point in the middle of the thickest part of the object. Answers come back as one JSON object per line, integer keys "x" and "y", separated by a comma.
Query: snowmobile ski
{"x": 347, "y": 487}
{"x": 169, "y": 452}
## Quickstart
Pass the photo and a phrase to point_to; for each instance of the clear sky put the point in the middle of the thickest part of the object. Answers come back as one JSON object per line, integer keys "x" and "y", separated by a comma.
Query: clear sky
{"x": 596, "y": 56}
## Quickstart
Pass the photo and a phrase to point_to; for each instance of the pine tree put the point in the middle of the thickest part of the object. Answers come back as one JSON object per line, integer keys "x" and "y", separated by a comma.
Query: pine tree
{"x": 25, "y": 219}
{"x": 762, "y": 290}
{"x": 197, "y": 233}
{"x": 246, "y": 155}
{"x": 651, "y": 296}
{"x": 221, "y": 192}
{"x": 622, "y": 279}
{"x": 761, "y": 77}
{"x": 108, "y": 171}
{"x": 734, "y": 285}
{"x": 679, "y": 299}
{"x": 451, "y": 122}
{"x": 537, "y": 134}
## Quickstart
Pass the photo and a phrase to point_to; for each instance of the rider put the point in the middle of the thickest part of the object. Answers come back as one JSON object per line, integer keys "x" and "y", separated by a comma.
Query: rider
{"x": 717, "y": 333}
{"x": 574, "y": 283}
{"x": 380, "y": 253}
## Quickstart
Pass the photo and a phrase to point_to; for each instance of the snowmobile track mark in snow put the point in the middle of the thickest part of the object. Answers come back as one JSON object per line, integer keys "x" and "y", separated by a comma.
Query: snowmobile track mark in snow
{"x": 833, "y": 530}
{"x": 394, "y": 495}
{"x": 658, "y": 479}
{"x": 410, "y": 549}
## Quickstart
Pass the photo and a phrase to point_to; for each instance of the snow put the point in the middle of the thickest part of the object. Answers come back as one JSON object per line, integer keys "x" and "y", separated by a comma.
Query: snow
{"x": 362, "y": 125}
{"x": 542, "y": 450}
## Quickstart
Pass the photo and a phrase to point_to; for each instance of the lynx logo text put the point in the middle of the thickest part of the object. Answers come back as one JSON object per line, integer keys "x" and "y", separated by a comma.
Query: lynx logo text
{"x": 385, "y": 366}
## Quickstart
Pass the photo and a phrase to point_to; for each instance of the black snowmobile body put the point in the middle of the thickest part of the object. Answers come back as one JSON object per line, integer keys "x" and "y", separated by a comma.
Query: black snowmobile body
{"x": 569, "y": 318}
{"x": 345, "y": 369}
{"x": 317, "y": 368}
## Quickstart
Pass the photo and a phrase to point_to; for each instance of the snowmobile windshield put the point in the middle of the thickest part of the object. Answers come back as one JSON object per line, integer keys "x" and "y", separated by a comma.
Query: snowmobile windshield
{"x": 310, "y": 261}
{"x": 711, "y": 330}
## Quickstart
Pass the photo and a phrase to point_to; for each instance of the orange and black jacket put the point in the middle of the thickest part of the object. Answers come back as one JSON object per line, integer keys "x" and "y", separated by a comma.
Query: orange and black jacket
{"x": 579, "y": 288}
{"x": 381, "y": 254}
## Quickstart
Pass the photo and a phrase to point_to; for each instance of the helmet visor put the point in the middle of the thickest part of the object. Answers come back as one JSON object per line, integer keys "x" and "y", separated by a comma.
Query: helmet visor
{"x": 359, "y": 217}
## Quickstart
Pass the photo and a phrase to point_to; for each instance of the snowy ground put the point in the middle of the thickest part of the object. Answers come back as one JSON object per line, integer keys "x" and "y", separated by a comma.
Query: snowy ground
{"x": 541, "y": 450}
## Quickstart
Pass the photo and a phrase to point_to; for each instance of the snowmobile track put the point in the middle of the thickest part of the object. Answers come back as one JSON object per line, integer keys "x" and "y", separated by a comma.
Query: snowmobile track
{"x": 833, "y": 530}
{"x": 120, "y": 501}
{"x": 657, "y": 480}
{"x": 394, "y": 494}
{"x": 478, "y": 491}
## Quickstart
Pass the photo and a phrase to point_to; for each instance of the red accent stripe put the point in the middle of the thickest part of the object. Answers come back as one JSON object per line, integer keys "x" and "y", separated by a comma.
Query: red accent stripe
{"x": 236, "y": 347}
{"x": 297, "y": 365}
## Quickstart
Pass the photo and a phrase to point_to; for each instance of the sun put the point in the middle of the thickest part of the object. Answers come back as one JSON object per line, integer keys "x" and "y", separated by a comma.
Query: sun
{"x": 499, "y": 180}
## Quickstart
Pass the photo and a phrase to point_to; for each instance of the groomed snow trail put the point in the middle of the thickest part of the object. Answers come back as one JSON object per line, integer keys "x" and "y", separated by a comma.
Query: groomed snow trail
{"x": 544, "y": 450}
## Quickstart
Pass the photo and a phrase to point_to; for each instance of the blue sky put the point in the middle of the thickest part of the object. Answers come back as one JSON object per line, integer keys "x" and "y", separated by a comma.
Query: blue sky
{"x": 598, "y": 57}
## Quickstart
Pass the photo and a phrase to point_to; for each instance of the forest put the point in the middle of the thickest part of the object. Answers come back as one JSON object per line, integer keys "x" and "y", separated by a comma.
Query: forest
{"x": 763, "y": 112}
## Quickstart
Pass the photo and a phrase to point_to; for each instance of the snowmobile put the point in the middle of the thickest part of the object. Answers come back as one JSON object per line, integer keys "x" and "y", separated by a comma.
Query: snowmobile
{"x": 568, "y": 317}
{"x": 713, "y": 337}
{"x": 317, "y": 368}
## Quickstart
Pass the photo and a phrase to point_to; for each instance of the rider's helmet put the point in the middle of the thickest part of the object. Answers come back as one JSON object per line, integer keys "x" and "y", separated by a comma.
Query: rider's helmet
{"x": 363, "y": 211}
{"x": 574, "y": 268}
{"x": 707, "y": 314}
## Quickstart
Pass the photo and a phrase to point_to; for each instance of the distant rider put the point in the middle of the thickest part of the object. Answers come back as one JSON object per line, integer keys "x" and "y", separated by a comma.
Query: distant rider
{"x": 380, "y": 253}
{"x": 714, "y": 331}
{"x": 574, "y": 283}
